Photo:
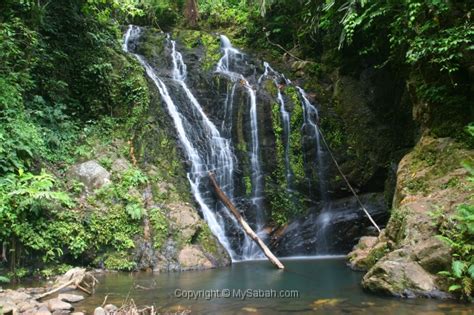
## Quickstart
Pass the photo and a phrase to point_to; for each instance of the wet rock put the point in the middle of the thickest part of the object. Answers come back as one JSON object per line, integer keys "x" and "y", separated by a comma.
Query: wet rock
{"x": 192, "y": 257}
{"x": 359, "y": 256}
{"x": 77, "y": 313}
{"x": 57, "y": 304}
{"x": 71, "y": 298}
{"x": 91, "y": 174}
{"x": 333, "y": 231}
{"x": 61, "y": 312}
{"x": 99, "y": 311}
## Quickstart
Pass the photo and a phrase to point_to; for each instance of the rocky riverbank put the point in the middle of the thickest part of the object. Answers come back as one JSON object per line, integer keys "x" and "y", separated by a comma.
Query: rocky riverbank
{"x": 406, "y": 258}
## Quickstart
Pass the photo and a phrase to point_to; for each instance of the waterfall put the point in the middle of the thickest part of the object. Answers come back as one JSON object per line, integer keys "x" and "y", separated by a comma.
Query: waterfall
{"x": 311, "y": 120}
{"x": 285, "y": 117}
{"x": 226, "y": 67}
{"x": 217, "y": 154}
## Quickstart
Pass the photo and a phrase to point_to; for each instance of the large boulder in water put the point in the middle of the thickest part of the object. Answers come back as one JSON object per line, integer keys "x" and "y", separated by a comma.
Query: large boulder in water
{"x": 398, "y": 275}
{"x": 425, "y": 177}
{"x": 91, "y": 174}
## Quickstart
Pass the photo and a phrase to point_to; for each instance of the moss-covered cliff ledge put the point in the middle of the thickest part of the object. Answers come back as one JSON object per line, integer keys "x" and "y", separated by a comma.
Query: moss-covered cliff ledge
{"x": 407, "y": 257}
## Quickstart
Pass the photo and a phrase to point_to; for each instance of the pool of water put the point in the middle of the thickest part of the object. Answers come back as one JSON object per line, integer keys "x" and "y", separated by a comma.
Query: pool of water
{"x": 322, "y": 285}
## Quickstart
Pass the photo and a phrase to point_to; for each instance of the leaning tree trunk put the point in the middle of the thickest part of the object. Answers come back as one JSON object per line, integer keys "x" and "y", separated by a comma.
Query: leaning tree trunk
{"x": 226, "y": 201}
{"x": 191, "y": 12}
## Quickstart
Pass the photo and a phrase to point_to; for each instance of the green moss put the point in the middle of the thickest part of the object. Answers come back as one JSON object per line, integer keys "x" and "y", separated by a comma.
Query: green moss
{"x": 376, "y": 254}
{"x": 160, "y": 227}
{"x": 296, "y": 143}
{"x": 396, "y": 226}
{"x": 417, "y": 185}
{"x": 207, "y": 240}
{"x": 210, "y": 44}
{"x": 248, "y": 185}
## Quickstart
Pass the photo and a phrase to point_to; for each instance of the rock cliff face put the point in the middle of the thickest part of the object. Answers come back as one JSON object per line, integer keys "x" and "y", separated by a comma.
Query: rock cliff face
{"x": 405, "y": 259}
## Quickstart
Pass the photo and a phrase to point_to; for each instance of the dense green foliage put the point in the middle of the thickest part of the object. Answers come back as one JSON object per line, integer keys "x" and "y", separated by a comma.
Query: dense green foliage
{"x": 61, "y": 83}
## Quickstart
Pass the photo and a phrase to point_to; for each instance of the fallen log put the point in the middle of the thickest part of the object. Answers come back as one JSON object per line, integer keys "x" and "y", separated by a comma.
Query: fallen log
{"x": 226, "y": 201}
{"x": 74, "y": 277}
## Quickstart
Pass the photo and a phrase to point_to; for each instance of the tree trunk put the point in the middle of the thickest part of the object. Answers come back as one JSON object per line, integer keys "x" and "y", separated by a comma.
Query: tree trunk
{"x": 191, "y": 12}
{"x": 226, "y": 201}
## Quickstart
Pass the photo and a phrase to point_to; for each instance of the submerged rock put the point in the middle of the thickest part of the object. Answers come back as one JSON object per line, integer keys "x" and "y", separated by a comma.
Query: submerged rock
{"x": 71, "y": 298}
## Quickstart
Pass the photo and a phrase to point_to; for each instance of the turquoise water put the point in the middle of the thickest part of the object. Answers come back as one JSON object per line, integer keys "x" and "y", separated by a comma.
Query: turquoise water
{"x": 324, "y": 286}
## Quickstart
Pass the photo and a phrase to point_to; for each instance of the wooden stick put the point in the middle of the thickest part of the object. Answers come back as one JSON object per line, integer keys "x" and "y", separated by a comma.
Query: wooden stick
{"x": 83, "y": 289}
{"x": 56, "y": 290}
{"x": 226, "y": 201}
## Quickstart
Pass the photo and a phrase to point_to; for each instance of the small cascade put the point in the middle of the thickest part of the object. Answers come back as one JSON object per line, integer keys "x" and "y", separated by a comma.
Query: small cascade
{"x": 311, "y": 120}
{"x": 225, "y": 66}
{"x": 285, "y": 117}
{"x": 216, "y": 154}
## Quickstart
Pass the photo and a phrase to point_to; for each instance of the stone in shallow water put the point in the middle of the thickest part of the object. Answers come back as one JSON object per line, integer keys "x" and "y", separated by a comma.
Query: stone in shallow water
{"x": 99, "y": 311}
{"x": 57, "y": 304}
{"x": 71, "y": 298}
{"x": 397, "y": 275}
{"x": 250, "y": 309}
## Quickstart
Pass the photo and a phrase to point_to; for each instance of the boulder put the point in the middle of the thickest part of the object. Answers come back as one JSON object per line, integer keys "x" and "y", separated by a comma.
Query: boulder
{"x": 43, "y": 310}
{"x": 57, "y": 305}
{"x": 192, "y": 257}
{"x": 120, "y": 165}
{"x": 398, "y": 275}
{"x": 184, "y": 219}
{"x": 433, "y": 255}
{"x": 91, "y": 174}
{"x": 99, "y": 311}
{"x": 358, "y": 258}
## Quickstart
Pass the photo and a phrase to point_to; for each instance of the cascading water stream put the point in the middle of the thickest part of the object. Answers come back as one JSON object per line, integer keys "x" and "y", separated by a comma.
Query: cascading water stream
{"x": 225, "y": 67}
{"x": 285, "y": 117}
{"x": 219, "y": 158}
{"x": 311, "y": 120}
